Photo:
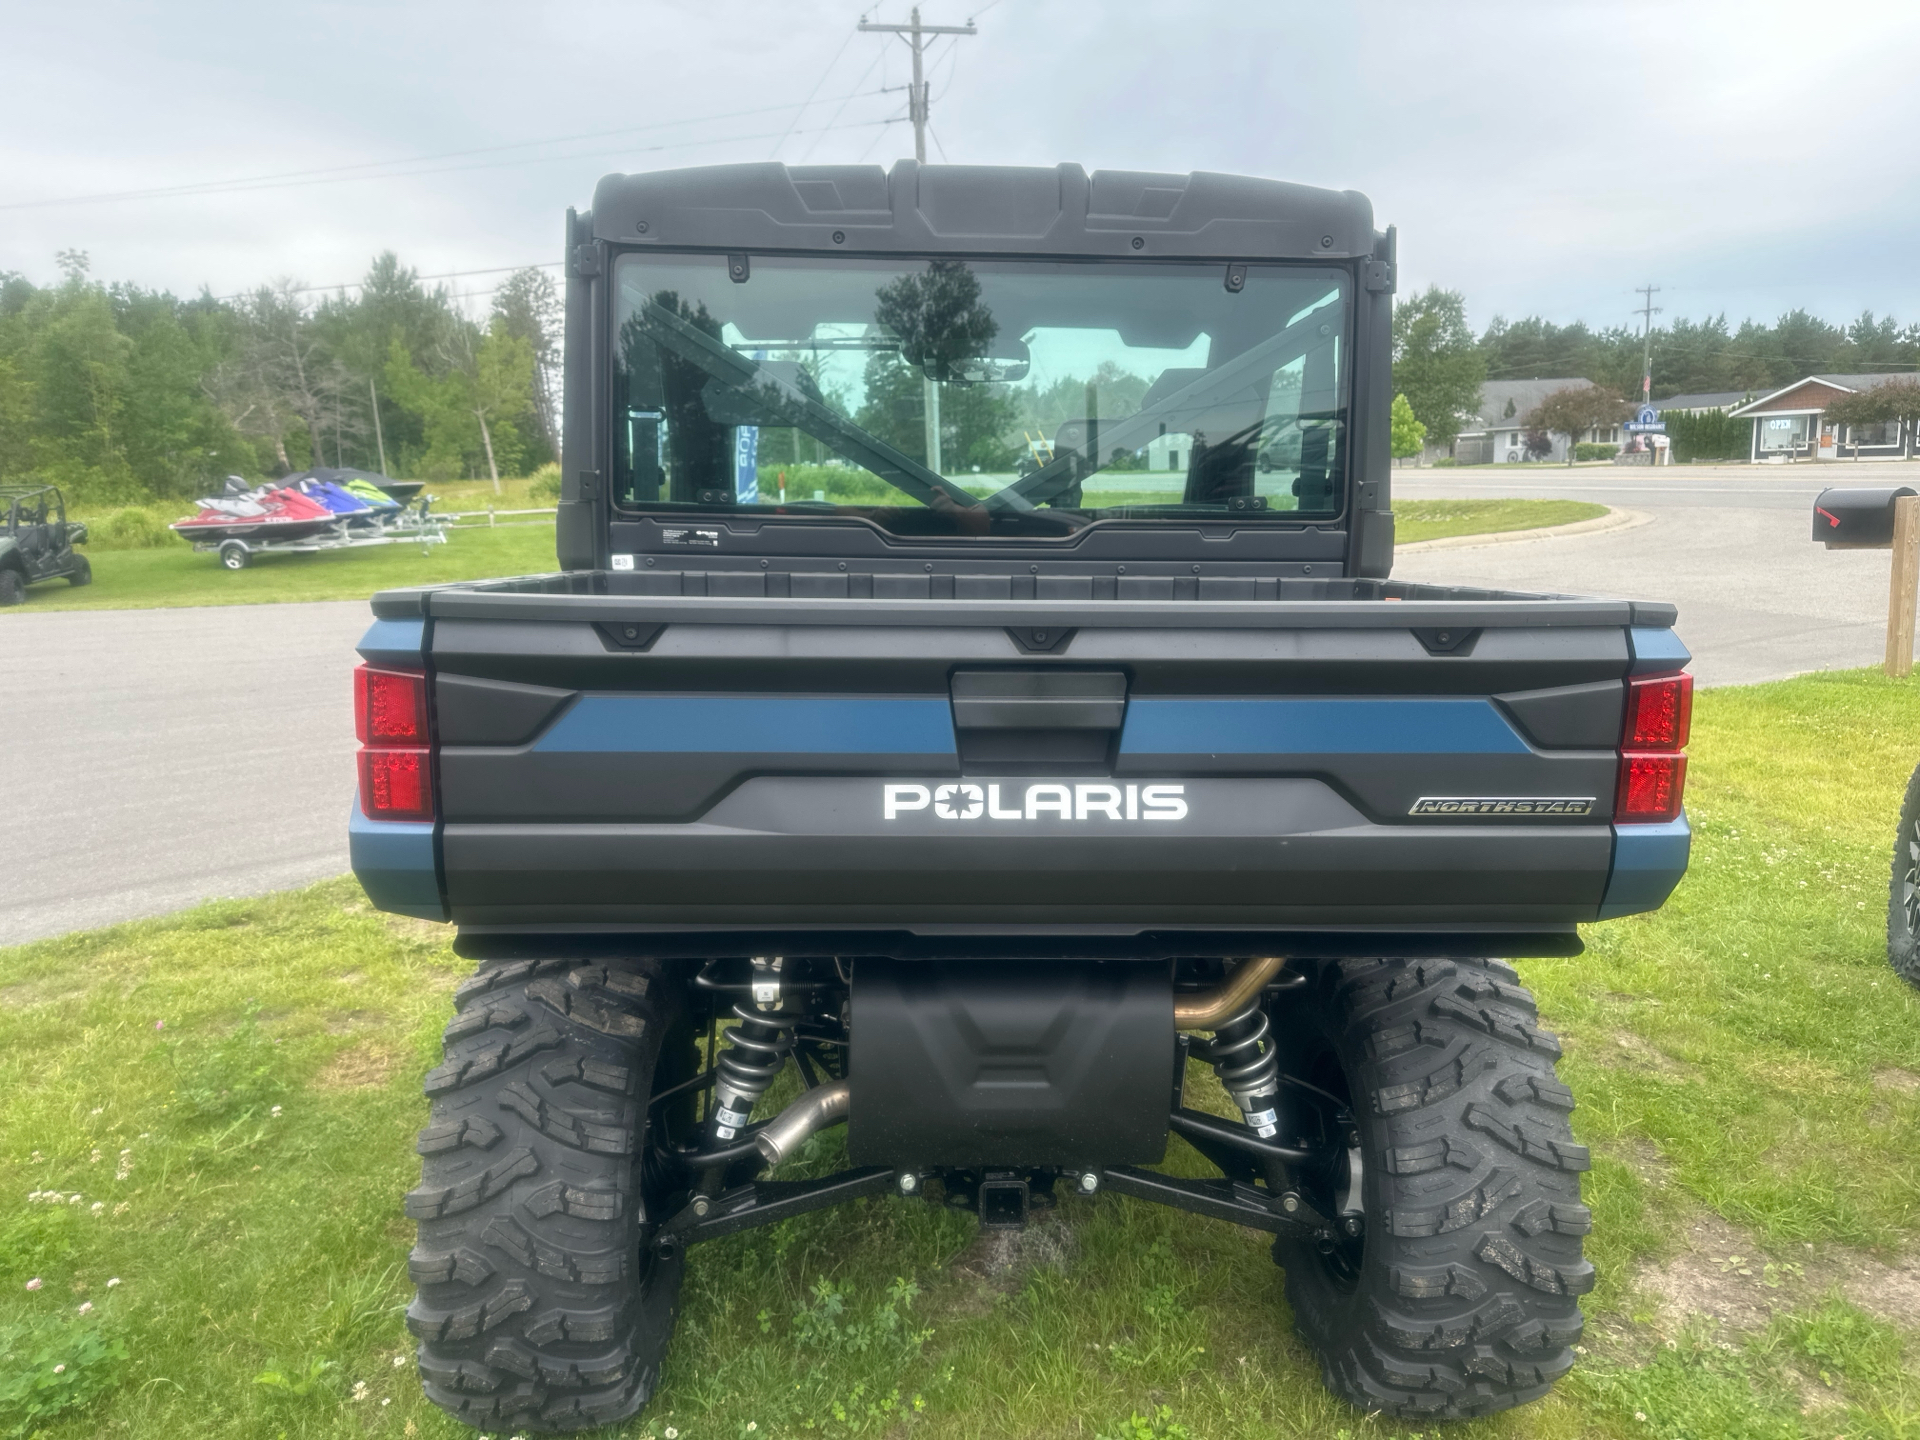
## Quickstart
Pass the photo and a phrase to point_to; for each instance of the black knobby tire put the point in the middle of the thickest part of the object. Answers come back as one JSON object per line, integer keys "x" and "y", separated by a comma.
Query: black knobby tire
{"x": 82, "y": 572}
{"x": 1903, "y": 904}
{"x": 1461, "y": 1296}
{"x": 13, "y": 587}
{"x": 235, "y": 556}
{"x": 541, "y": 1304}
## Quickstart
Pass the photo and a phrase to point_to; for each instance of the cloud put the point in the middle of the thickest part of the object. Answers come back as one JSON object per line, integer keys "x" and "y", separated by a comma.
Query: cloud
{"x": 1538, "y": 157}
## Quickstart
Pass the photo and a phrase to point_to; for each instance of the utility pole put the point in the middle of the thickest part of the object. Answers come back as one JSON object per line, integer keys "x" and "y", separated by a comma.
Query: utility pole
{"x": 912, "y": 32}
{"x": 1647, "y": 312}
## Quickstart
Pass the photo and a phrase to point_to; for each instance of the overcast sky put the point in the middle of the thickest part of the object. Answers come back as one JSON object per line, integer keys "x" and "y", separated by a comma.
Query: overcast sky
{"x": 1541, "y": 155}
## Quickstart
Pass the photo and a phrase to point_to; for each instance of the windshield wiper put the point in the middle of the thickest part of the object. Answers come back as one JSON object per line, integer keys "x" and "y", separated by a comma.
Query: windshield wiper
{"x": 774, "y": 400}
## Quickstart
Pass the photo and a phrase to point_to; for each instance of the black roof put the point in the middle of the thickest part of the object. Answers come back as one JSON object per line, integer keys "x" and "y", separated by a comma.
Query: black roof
{"x": 982, "y": 209}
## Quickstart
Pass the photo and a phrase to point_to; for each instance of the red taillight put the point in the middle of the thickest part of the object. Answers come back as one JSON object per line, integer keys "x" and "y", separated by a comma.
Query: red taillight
{"x": 1653, "y": 772}
{"x": 1650, "y": 787}
{"x": 396, "y": 763}
{"x": 389, "y": 706}
{"x": 396, "y": 784}
{"x": 1659, "y": 713}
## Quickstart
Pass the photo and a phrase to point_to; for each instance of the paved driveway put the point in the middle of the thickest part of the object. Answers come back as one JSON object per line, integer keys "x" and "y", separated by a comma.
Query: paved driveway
{"x": 1730, "y": 546}
{"x": 161, "y": 757}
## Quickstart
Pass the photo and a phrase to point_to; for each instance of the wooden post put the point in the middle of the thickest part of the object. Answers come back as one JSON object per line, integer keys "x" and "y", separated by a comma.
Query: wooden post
{"x": 1903, "y": 586}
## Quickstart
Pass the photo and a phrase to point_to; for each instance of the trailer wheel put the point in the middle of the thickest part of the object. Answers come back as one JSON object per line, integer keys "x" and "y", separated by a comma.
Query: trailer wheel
{"x": 1457, "y": 1296}
{"x": 235, "y": 555}
{"x": 1903, "y": 905}
{"x": 541, "y": 1302}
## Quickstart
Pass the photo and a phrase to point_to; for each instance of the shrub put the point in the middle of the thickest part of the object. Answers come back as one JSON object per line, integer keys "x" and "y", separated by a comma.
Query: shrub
{"x": 129, "y": 529}
{"x": 546, "y": 483}
{"x": 1585, "y": 451}
{"x": 1444, "y": 462}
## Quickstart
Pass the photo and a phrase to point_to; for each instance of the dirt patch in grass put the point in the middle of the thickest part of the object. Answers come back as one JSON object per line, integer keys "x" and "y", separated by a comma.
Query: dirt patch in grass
{"x": 1721, "y": 1275}
{"x": 1003, "y": 1257}
{"x": 1896, "y": 1081}
{"x": 1624, "y": 1048}
{"x": 362, "y": 1067}
{"x": 1717, "y": 1274}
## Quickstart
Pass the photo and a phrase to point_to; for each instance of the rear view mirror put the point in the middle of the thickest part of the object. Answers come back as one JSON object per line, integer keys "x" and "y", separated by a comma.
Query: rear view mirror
{"x": 1857, "y": 517}
{"x": 1003, "y": 369}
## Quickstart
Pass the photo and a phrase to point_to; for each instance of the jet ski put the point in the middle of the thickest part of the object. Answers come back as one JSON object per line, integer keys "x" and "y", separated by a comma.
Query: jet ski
{"x": 267, "y": 513}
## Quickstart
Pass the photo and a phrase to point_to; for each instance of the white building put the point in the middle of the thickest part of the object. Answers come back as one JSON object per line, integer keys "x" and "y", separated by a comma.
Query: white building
{"x": 1496, "y": 435}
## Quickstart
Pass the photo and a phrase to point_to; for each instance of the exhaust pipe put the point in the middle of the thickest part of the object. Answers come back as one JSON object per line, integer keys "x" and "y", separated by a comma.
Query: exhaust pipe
{"x": 1210, "y": 1009}
{"x": 815, "y": 1110}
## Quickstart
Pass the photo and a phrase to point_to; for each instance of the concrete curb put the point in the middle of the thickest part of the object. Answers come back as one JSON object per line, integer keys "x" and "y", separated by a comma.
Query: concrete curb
{"x": 1615, "y": 519}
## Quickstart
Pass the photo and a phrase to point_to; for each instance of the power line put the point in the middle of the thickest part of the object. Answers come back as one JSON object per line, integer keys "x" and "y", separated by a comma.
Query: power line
{"x": 333, "y": 174}
{"x": 831, "y": 119}
{"x": 810, "y": 94}
{"x": 912, "y": 32}
{"x": 444, "y": 275}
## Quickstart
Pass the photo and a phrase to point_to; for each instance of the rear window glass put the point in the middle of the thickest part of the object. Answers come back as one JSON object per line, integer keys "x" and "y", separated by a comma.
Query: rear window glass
{"x": 1001, "y": 399}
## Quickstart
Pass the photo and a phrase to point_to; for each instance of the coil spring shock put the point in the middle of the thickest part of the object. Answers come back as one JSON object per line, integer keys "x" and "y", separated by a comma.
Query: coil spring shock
{"x": 757, "y": 1048}
{"x": 1244, "y": 1057}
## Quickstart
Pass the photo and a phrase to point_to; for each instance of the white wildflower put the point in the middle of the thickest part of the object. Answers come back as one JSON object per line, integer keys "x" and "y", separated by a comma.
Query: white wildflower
{"x": 59, "y": 1369}
{"x": 86, "y": 1307}
{"x": 123, "y": 1207}
{"x": 398, "y": 1361}
{"x": 275, "y": 1112}
{"x": 99, "y": 1109}
{"x": 35, "y": 1283}
{"x": 671, "y": 1433}
{"x": 359, "y": 1389}
{"x": 387, "y": 1401}
{"x": 113, "y": 1282}
{"x": 98, "y": 1207}
{"x": 1641, "y": 1416}
{"x": 76, "y": 1198}
{"x": 96, "y": 1157}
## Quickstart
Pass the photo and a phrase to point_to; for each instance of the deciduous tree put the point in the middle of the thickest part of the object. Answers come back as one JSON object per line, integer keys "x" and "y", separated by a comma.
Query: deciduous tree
{"x": 1436, "y": 363}
{"x": 1409, "y": 435}
{"x": 1576, "y": 409}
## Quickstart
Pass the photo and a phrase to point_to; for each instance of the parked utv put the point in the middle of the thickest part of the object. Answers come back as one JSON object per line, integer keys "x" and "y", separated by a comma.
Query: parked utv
{"x": 965, "y": 802}
{"x": 37, "y": 541}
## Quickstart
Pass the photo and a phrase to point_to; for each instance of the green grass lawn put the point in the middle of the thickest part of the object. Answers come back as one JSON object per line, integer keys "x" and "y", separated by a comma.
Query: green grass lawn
{"x": 175, "y": 575}
{"x": 1416, "y": 520}
{"x": 216, "y": 1112}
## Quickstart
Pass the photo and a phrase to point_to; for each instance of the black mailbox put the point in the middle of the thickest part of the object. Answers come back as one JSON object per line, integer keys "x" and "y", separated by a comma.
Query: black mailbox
{"x": 1857, "y": 517}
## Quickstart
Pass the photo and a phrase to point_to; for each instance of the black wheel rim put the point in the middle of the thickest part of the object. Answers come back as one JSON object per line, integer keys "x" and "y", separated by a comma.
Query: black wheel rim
{"x": 1333, "y": 1182}
{"x": 1910, "y": 880}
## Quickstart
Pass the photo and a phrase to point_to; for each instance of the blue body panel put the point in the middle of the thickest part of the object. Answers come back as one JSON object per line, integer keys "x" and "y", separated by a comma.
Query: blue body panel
{"x": 1373, "y": 725}
{"x": 753, "y": 725}
{"x": 394, "y": 862}
{"x": 395, "y": 642}
{"x": 1648, "y": 862}
{"x": 1656, "y": 651}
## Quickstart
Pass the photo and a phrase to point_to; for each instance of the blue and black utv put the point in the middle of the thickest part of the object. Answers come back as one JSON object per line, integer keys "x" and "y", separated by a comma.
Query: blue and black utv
{"x": 972, "y": 689}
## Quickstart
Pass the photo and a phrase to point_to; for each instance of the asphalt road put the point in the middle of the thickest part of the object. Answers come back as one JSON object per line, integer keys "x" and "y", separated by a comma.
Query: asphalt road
{"x": 1730, "y": 546}
{"x": 157, "y": 758}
